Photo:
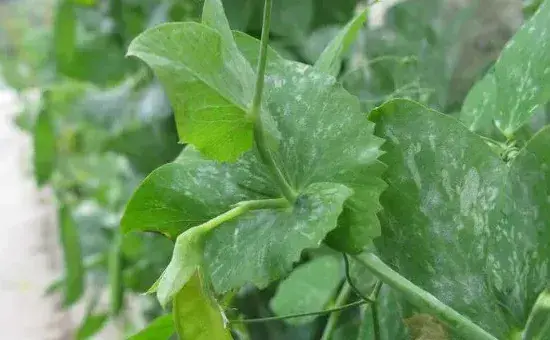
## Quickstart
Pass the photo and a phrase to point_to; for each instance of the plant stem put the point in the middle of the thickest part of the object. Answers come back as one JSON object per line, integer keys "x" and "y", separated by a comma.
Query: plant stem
{"x": 343, "y": 295}
{"x": 292, "y": 316}
{"x": 255, "y": 111}
{"x": 242, "y": 207}
{"x": 422, "y": 299}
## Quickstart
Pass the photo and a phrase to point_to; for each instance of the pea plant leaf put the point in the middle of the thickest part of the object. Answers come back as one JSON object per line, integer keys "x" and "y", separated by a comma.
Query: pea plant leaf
{"x": 208, "y": 81}
{"x": 470, "y": 227}
{"x": 192, "y": 190}
{"x": 161, "y": 328}
{"x": 309, "y": 288}
{"x": 538, "y": 324}
{"x": 521, "y": 77}
{"x": 331, "y": 58}
{"x": 196, "y": 315}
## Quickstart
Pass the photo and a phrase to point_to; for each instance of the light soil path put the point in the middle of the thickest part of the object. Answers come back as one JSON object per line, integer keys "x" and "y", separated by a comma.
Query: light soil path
{"x": 29, "y": 250}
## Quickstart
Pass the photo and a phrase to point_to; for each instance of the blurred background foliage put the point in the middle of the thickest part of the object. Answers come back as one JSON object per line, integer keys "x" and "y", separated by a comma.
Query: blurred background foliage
{"x": 101, "y": 122}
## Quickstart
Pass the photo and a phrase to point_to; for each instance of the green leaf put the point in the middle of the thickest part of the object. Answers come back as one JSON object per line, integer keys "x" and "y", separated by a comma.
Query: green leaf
{"x": 538, "y": 324}
{"x": 309, "y": 288}
{"x": 479, "y": 108}
{"x": 74, "y": 270}
{"x": 272, "y": 239}
{"x": 186, "y": 261}
{"x": 390, "y": 318}
{"x": 93, "y": 323}
{"x": 330, "y": 60}
{"x": 325, "y": 163}
{"x": 470, "y": 228}
{"x": 45, "y": 146}
{"x": 209, "y": 83}
{"x": 213, "y": 15}
{"x": 161, "y": 328}
{"x": 196, "y": 315}
{"x": 522, "y": 76}
{"x": 250, "y": 48}
{"x": 181, "y": 195}
{"x": 65, "y": 34}
{"x": 147, "y": 146}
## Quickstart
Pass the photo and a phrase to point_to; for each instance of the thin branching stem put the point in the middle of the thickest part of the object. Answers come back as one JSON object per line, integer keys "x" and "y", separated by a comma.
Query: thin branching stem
{"x": 255, "y": 111}
{"x": 292, "y": 316}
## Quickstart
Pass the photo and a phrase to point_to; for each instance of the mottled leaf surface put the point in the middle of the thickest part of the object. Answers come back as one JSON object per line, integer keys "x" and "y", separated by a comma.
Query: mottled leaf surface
{"x": 196, "y": 314}
{"x": 261, "y": 246}
{"x": 327, "y": 152}
{"x": 309, "y": 288}
{"x": 470, "y": 229}
{"x": 209, "y": 83}
{"x": 391, "y": 316}
{"x": 521, "y": 77}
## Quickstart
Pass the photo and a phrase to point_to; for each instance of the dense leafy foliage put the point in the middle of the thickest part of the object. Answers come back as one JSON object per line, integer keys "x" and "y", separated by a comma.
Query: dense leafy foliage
{"x": 229, "y": 177}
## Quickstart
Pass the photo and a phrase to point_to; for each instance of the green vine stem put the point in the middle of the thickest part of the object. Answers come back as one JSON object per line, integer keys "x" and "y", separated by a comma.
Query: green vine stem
{"x": 422, "y": 299}
{"x": 241, "y": 208}
{"x": 343, "y": 295}
{"x": 255, "y": 110}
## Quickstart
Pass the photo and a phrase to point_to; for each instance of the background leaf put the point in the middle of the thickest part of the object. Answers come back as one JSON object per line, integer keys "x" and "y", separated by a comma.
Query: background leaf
{"x": 74, "y": 271}
{"x": 309, "y": 288}
{"x": 45, "y": 146}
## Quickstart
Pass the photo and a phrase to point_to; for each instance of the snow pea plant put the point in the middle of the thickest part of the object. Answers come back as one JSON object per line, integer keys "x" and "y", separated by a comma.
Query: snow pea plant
{"x": 439, "y": 227}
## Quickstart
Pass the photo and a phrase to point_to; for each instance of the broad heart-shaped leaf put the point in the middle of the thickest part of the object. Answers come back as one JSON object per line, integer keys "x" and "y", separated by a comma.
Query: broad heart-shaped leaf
{"x": 470, "y": 229}
{"x": 209, "y": 83}
{"x": 325, "y": 140}
{"x": 331, "y": 58}
{"x": 479, "y": 108}
{"x": 522, "y": 77}
{"x": 196, "y": 314}
{"x": 161, "y": 328}
{"x": 309, "y": 288}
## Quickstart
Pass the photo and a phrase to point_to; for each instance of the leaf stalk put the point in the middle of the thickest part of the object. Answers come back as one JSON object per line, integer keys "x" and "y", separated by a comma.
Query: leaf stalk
{"x": 255, "y": 111}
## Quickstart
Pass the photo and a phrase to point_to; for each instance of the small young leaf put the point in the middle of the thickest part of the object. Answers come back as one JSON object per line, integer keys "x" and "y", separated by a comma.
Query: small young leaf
{"x": 309, "y": 288}
{"x": 196, "y": 315}
{"x": 161, "y": 328}
{"x": 186, "y": 261}
{"x": 74, "y": 270}
{"x": 209, "y": 83}
{"x": 45, "y": 146}
{"x": 330, "y": 60}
